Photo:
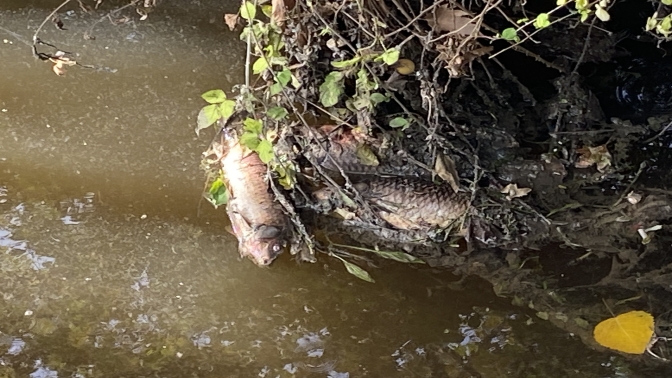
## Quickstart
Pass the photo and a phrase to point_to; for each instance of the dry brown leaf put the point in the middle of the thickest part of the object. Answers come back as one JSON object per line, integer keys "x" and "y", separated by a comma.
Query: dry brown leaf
{"x": 405, "y": 66}
{"x": 58, "y": 69}
{"x": 513, "y": 191}
{"x": 445, "y": 168}
{"x": 278, "y": 13}
{"x": 398, "y": 221}
{"x": 60, "y": 62}
{"x": 231, "y": 20}
{"x": 452, "y": 20}
{"x": 477, "y": 53}
{"x": 345, "y": 214}
{"x": 598, "y": 156}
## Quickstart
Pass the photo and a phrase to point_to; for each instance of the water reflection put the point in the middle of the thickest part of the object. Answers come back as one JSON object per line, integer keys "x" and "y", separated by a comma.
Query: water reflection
{"x": 108, "y": 271}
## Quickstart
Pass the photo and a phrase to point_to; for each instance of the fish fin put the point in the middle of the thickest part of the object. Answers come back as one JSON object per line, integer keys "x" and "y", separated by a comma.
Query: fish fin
{"x": 229, "y": 229}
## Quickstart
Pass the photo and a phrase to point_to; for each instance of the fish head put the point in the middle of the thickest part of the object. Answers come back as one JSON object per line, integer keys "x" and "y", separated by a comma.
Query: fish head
{"x": 261, "y": 251}
{"x": 261, "y": 244}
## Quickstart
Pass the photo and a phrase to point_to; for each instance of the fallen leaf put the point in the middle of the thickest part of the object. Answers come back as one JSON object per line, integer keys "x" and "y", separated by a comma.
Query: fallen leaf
{"x": 398, "y": 221}
{"x": 477, "y": 53}
{"x": 231, "y": 20}
{"x": 60, "y": 62}
{"x": 405, "y": 66}
{"x": 452, "y": 20}
{"x": 445, "y": 168}
{"x": 58, "y": 69}
{"x": 629, "y": 333}
{"x": 634, "y": 198}
{"x": 598, "y": 156}
{"x": 513, "y": 191}
{"x": 278, "y": 13}
{"x": 345, "y": 214}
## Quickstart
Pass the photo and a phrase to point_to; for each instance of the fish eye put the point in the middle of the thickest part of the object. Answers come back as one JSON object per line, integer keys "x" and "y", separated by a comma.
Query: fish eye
{"x": 276, "y": 247}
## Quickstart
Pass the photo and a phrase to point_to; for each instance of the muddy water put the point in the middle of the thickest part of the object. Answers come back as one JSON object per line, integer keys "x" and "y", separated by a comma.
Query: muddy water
{"x": 109, "y": 269}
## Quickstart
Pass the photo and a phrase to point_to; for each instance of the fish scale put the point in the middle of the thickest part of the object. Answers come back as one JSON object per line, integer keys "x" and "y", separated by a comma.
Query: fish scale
{"x": 411, "y": 203}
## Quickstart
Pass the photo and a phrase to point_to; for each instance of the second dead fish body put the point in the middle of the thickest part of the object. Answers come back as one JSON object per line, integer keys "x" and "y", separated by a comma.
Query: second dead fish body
{"x": 409, "y": 203}
{"x": 260, "y": 225}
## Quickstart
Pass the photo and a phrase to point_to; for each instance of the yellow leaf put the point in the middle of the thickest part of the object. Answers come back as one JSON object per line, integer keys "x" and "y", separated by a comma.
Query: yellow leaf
{"x": 405, "y": 66}
{"x": 629, "y": 333}
{"x": 602, "y": 14}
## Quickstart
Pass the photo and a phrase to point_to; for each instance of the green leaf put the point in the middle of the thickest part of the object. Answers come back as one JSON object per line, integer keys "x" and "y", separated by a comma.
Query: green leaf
{"x": 277, "y": 113}
{"x": 332, "y": 89}
{"x": 561, "y": 2}
{"x": 651, "y": 23}
{"x": 226, "y": 108}
{"x": 366, "y": 156}
{"x": 259, "y": 65}
{"x": 250, "y": 140}
{"x": 584, "y": 14}
{"x": 248, "y": 11}
{"x": 359, "y": 102}
{"x": 664, "y": 26}
{"x": 399, "y": 122}
{"x": 267, "y": 10}
{"x": 363, "y": 83}
{"x": 666, "y": 2}
{"x": 214, "y": 96}
{"x": 276, "y": 88}
{"x": 208, "y": 115}
{"x": 377, "y": 98}
{"x": 347, "y": 63}
{"x": 399, "y": 256}
{"x": 253, "y": 125}
{"x": 542, "y": 21}
{"x": 279, "y": 60}
{"x": 510, "y": 34}
{"x": 389, "y": 57}
{"x": 218, "y": 194}
{"x": 295, "y": 82}
{"x": 287, "y": 175}
{"x": 284, "y": 76}
{"x": 265, "y": 151}
{"x": 357, "y": 271}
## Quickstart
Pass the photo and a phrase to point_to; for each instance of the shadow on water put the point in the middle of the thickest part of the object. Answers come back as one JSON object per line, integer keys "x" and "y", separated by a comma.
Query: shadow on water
{"x": 108, "y": 272}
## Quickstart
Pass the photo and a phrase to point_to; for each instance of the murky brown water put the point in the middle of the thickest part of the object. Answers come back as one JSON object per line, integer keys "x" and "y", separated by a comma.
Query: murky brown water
{"x": 108, "y": 271}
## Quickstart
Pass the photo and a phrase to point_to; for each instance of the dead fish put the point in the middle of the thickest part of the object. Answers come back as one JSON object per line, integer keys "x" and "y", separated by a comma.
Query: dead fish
{"x": 258, "y": 222}
{"x": 408, "y": 203}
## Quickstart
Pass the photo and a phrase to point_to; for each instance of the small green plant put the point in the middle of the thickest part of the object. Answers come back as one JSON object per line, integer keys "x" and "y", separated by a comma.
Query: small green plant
{"x": 219, "y": 108}
{"x": 582, "y": 8}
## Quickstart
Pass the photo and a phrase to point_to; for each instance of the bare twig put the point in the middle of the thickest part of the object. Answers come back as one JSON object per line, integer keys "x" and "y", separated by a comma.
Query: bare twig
{"x": 47, "y": 19}
{"x": 661, "y": 132}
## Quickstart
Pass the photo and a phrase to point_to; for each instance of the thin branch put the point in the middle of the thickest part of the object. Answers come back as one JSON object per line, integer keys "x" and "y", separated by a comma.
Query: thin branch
{"x": 47, "y": 19}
